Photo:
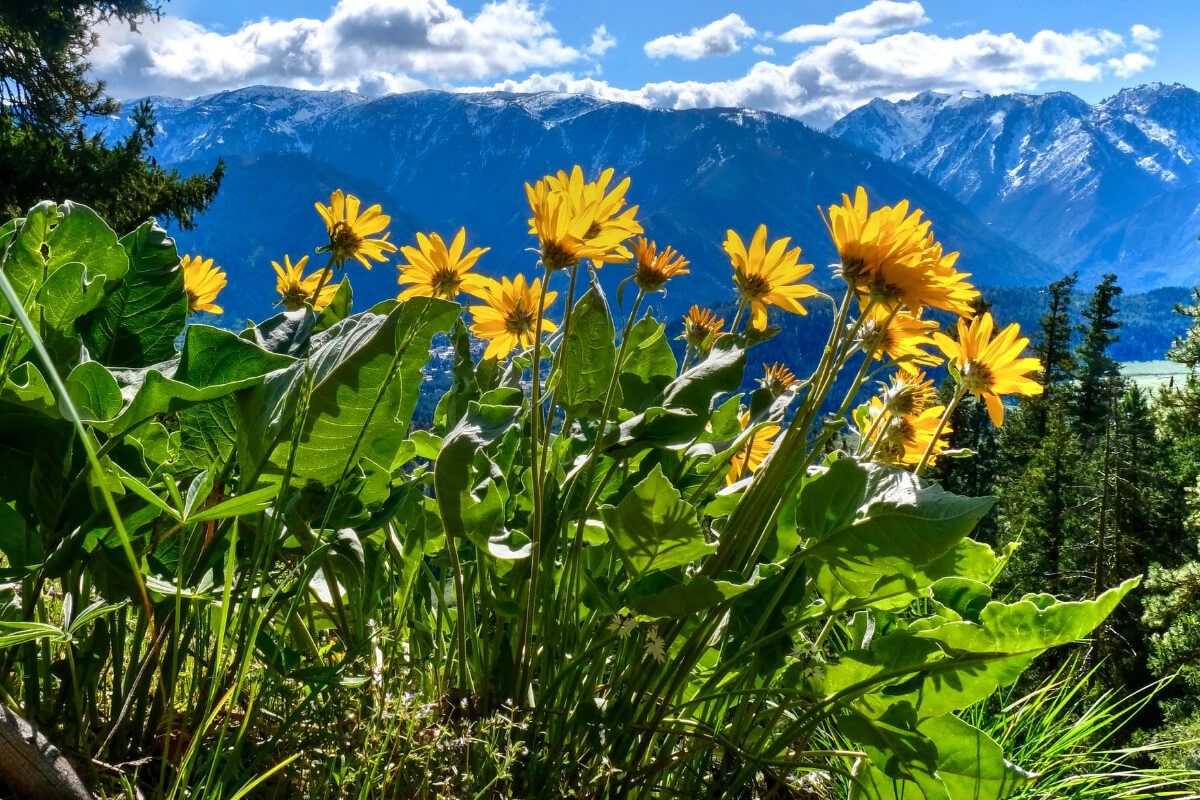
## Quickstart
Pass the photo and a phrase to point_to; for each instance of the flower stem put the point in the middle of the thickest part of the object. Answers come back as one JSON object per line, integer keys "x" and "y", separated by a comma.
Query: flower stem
{"x": 959, "y": 392}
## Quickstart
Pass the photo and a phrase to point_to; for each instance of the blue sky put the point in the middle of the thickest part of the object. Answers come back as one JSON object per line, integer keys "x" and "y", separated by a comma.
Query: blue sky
{"x": 811, "y": 60}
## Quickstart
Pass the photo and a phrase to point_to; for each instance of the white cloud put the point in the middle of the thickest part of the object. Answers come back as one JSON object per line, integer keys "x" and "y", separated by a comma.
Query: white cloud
{"x": 873, "y": 20}
{"x": 602, "y": 41}
{"x": 763, "y": 50}
{"x": 717, "y": 38}
{"x": 1129, "y": 64}
{"x": 366, "y": 45}
{"x": 826, "y": 81}
{"x": 1145, "y": 36}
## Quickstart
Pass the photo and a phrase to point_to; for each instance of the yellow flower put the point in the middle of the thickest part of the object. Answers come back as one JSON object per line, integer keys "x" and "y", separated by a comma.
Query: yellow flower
{"x": 202, "y": 282}
{"x": 604, "y": 206}
{"x": 438, "y": 271}
{"x": 575, "y": 219}
{"x": 653, "y": 268}
{"x": 777, "y": 378}
{"x": 701, "y": 327}
{"x": 295, "y": 289}
{"x": 990, "y": 367}
{"x": 903, "y": 438}
{"x": 768, "y": 276}
{"x": 909, "y": 393}
{"x": 350, "y": 232}
{"x": 890, "y": 256}
{"x": 510, "y": 317}
{"x": 748, "y": 459}
{"x": 900, "y": 338}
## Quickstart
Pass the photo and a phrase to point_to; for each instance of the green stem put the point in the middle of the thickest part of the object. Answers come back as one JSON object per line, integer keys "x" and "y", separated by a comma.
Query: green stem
{"x": 959, "y": 392}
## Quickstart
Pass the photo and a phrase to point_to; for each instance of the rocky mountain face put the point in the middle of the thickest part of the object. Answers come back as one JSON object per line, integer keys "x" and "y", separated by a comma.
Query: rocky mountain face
{"x": 440, "y": 160}
{"x": 1108, "y": 187}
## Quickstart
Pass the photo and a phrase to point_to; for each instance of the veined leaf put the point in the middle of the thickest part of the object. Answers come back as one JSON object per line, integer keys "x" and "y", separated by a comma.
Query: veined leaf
{"x": 590, "y": 356}
{"x": 366, "y": 375}
{"x": 139, "y": 320}
{"x": 213, "y": 363}
{"x": 51, "y": 236}
{"x": 654, "y": 528}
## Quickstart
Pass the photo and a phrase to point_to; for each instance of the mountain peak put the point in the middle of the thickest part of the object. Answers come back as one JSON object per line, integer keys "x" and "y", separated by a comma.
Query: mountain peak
{"x": 1058, "y": 175}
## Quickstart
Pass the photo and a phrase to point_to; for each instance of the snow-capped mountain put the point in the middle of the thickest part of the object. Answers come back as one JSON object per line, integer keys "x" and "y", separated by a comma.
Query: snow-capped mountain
{"x": 1108, "y": 187}
{"x": 439, "y": 160}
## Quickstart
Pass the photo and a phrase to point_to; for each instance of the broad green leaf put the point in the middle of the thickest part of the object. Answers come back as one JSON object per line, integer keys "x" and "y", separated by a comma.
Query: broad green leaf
{"x": 366, "y": 375}
{"x": 471, "y": 507}
{"x": 94, "y": 391}
{"x": 139, "y": 320}
{"x": 681, "y": 412}
{"x": 26, "y": 385}
{"x": 71, "y": 291}
{"x": 13, "y": 544}
{"x": 213, "y": 363}
{"x": 338, "y": 308}
{"x": 970, "y": 764}
{"x": 590, "y": 356}
{"x": 649, "y": 364}
{"x": 654, "y": 528}
{"x": 871, "y": 519}
{"x": 288, "y": 332}
{"x": 51, "y": 236}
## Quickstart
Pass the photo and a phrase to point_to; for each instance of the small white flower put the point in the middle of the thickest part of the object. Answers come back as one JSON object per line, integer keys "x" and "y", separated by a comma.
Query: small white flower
{"x": 656, "y": 648}
{"x": 622, "y": 625}
{"x": 815, "y": 672}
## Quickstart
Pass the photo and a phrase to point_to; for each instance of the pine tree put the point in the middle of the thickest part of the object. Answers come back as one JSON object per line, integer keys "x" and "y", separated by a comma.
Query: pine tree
{"x": 45, "y": 97}
{"x": 1053, "y": 348}
{"x": 1099, "y": 374}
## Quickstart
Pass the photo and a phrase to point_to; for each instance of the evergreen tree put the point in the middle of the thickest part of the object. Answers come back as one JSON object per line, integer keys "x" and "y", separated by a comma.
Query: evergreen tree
{"x": 45, "y": 96}
{"x": 1053, "y": 348}
{"x": 1099, "y": 374}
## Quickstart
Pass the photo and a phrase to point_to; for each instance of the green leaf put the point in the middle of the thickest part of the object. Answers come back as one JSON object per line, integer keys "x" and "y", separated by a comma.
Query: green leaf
{"x": 26, "y": 386}
{"x": 471, "y": 508}
{"x": 680, "y": 414}
{"x": 51, "y": 236}
{"x": 590, "y": 356}
{"x": 649, "y": 364}
{"x": 865, "y": 521}
{"x": 654, "y": 528}
{"x": 94, "y": 391}
{"x": 139, "y": 320}
{"x": 248, "y": 503}
{"x": 366, "y": 377}
{"x": 970, "y": 764}
{"x": 213, "y": 363}
{"x": 71, "y": 291}
{"x": 338, "y": 308}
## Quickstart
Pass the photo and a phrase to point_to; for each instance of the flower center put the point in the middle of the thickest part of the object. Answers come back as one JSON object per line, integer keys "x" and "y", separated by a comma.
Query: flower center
{"x": 752, "y": 287}
{"x": 556, "y": 256}
{"x": 445, "y": 283}
{"x": 294, "y": 297}
{"x": 519, "y": 322}
{"x": 977, "y": 378}
{"x": 344, "y": 240}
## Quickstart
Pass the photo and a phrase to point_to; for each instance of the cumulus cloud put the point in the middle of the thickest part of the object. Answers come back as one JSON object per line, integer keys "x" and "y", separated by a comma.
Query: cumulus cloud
{"x": 717, "y": 38}
{"x": 763, "y": 50}
{"x": 873, "y": 20}
{"x": 826, "y": 81}
{"x": 1129, "y": 64}
{"x": 1145, "y": 36}
{"x": 602, "y": 41}
{"x": 364, "y": 45}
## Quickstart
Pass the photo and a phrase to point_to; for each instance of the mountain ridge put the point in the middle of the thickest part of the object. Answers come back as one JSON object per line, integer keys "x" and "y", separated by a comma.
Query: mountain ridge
{"x": 1059, "y": 176}
{"x": 444, "y": 159}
